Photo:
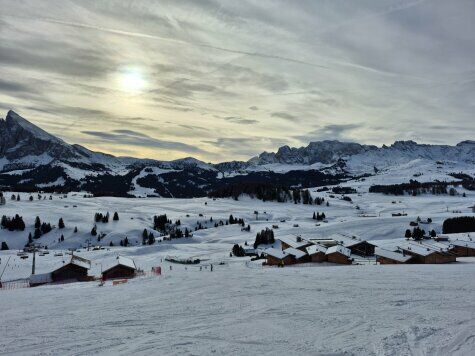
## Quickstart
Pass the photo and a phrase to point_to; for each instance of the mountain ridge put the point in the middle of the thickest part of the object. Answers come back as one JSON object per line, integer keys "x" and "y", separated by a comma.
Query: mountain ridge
{"x": 25, "y": 147}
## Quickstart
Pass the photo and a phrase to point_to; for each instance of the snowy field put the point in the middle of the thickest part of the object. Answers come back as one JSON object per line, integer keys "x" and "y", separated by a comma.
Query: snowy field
{"x": 240, "y": 307}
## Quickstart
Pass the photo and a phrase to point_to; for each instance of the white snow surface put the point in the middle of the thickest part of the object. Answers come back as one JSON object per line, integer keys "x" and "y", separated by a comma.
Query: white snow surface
{"x": 241, "y": 307}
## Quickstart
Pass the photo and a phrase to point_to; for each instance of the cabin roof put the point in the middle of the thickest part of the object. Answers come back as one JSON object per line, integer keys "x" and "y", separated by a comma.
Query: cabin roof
{"x": 121, "y": 261}
{"x": 396, "y": 256}
{"x": 276, "y": 253}
{"x": 313, "y": 249}
{"x": 462, "y": 243}
{"x": 294, "y": 252}
{"x": 291, "y": 240}
{"x": 347, "y": 240}
{"x": 339, "y": 249}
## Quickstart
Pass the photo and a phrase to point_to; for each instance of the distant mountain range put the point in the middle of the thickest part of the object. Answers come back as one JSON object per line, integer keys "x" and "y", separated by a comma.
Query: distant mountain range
{"x": 32, "y": 159}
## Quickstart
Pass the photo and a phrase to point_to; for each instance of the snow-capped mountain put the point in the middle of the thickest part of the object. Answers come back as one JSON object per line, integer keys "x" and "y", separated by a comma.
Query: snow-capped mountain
{"x": 32, "y": 159}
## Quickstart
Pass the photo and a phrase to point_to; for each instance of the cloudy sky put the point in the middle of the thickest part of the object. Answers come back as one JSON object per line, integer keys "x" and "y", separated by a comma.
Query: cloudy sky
{"x": 221, "y": 80}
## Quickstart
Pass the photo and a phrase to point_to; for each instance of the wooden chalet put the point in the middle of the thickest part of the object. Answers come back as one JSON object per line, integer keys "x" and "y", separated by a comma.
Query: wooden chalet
{"x": 386, "y": 257}
{"x": 428, "y": 253}
{"x": 276, "y": 257}
{"x": 317, "y": 253}
{"x": 463, "y": 248}
{"x": 292, "y": 241}
{"x": 122, "y": 268}
{"x": 298, "y": 255}
{"x": 357, "y": 245}
{"x": 339, "y": 254}
{"x": 74, "y": 271}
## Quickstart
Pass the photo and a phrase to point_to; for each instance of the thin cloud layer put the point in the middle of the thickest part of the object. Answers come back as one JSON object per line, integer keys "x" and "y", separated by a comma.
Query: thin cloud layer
{"x": 227, "y": 80}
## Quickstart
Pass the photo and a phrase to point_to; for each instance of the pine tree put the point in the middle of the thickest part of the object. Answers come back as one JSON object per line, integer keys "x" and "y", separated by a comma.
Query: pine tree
{"x": 4, "y": 246}
{"x": 408, "y": 234}
{"x": 61, "y": 223}
{"x": 94, "y": 231}
{"x": 75, "y": 229}
{"x": 37, "y": 222}
{"x": 116, "y": 216}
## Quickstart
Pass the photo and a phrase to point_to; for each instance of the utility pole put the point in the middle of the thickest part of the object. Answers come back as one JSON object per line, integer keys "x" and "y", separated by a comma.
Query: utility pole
{"x": 34, "y": 261}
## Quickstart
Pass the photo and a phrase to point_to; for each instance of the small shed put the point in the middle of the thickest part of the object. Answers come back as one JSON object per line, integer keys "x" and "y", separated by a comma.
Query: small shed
{"x": 277, "y": 257}
{"x": 339, "y": 254}
{"x": 463, "y": 248}
{"x": 317, "y": 253}
{"x": 122, "y": 268}
{"x": 386, "y": 257}
{"x": 74, "y": 271}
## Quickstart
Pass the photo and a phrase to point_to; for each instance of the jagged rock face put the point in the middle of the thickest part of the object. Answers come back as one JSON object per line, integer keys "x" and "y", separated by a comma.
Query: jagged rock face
{"x": 20, "y": 138}
{"x": 325, "y": 152}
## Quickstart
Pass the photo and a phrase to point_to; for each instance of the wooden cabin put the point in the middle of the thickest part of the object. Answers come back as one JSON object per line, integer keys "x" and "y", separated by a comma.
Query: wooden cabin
{"x": 317, "y": 253}
{"x": 74, "y": 271}
{"x": 387, "y": 257}
{"x": 339, "y": 254}
{"x": 463, "y": 248}
{"x": 428, "y": 254}
{"x": 276, "y": 257}
{"x": 122, "y": 268}
{"x": 291, "y": 241}
{"x": 298, "y": 255}
{"x": 357, "y": 245}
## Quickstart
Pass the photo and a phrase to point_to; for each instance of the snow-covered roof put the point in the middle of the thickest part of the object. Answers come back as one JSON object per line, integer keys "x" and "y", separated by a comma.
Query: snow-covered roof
{"x": 291, "y": 240}
{"x": 121, "y": 261}
{"x": 294, "y": 252}
{"x": 391, "y": 255}
{"x": 340, "y": 249}
{"x": 347, "y": 240}
{"x": 315, "y": 249}
{"x": 462, "y": 243}
{"x": 418, "y": 249}
{"x": 41, "y": 278}
{"x": 276, "y": 253}
{"x": 81, "y": 262}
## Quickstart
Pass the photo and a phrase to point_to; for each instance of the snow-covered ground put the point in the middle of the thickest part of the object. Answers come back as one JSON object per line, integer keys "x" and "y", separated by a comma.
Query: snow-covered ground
{"x": 240, "y": 307}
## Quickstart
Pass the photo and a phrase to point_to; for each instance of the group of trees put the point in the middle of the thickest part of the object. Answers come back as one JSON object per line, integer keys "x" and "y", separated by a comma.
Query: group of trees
{"x": 343, "y": 190}
{"x": 418, "y": 234}
{"x": 265, "y": 192}
{"x": 414, "y": 188}
{"x": 238, "y": 251}
{"x": 12, "y": 224}
{"x": 41, "y": 228}
{"x": 265, "y": 237}
{"x": 147, "y": 237}
{"x": 459, "y": 224}
{"x": 161, "y": 223}
{"x": 318, "y": 216}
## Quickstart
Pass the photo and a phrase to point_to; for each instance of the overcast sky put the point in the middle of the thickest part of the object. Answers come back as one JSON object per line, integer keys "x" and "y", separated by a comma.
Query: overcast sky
{"x": 222, "y": 80}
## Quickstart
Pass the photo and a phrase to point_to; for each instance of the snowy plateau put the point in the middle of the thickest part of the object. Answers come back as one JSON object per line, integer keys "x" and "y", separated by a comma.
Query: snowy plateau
{"x": 224, "y": 304}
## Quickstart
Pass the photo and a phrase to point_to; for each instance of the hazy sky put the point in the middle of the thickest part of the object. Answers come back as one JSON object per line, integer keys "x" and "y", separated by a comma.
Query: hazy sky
{"x": 222, "y": 80}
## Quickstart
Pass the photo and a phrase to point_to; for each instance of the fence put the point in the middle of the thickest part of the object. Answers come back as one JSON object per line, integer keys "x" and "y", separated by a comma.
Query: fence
{"x": 16, "y": 284}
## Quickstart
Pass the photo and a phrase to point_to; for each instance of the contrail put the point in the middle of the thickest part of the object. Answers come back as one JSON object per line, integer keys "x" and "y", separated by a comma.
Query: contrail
{"x": 161, "y": 38}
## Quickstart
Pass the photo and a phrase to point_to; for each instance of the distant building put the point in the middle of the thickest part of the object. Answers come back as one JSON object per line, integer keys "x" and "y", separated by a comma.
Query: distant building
{"x": 339, "y": 254}
{"x": 386, "y": 257}
{"x": 357, "y": 245}
{"x": 293, "y": 241}
{"x": 74, "y": 271}
{"x": 277, "y": 257}
{"x": 463, "y": 248}
{"x": 123, "y": 268}
{"x": 298, "y": 255}
{"x": 317, "y": 253}
{"x": 426, "y": 253}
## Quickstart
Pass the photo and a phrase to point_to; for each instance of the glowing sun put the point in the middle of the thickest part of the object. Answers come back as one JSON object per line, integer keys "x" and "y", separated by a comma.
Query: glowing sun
{"x": 132, "y": 80}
